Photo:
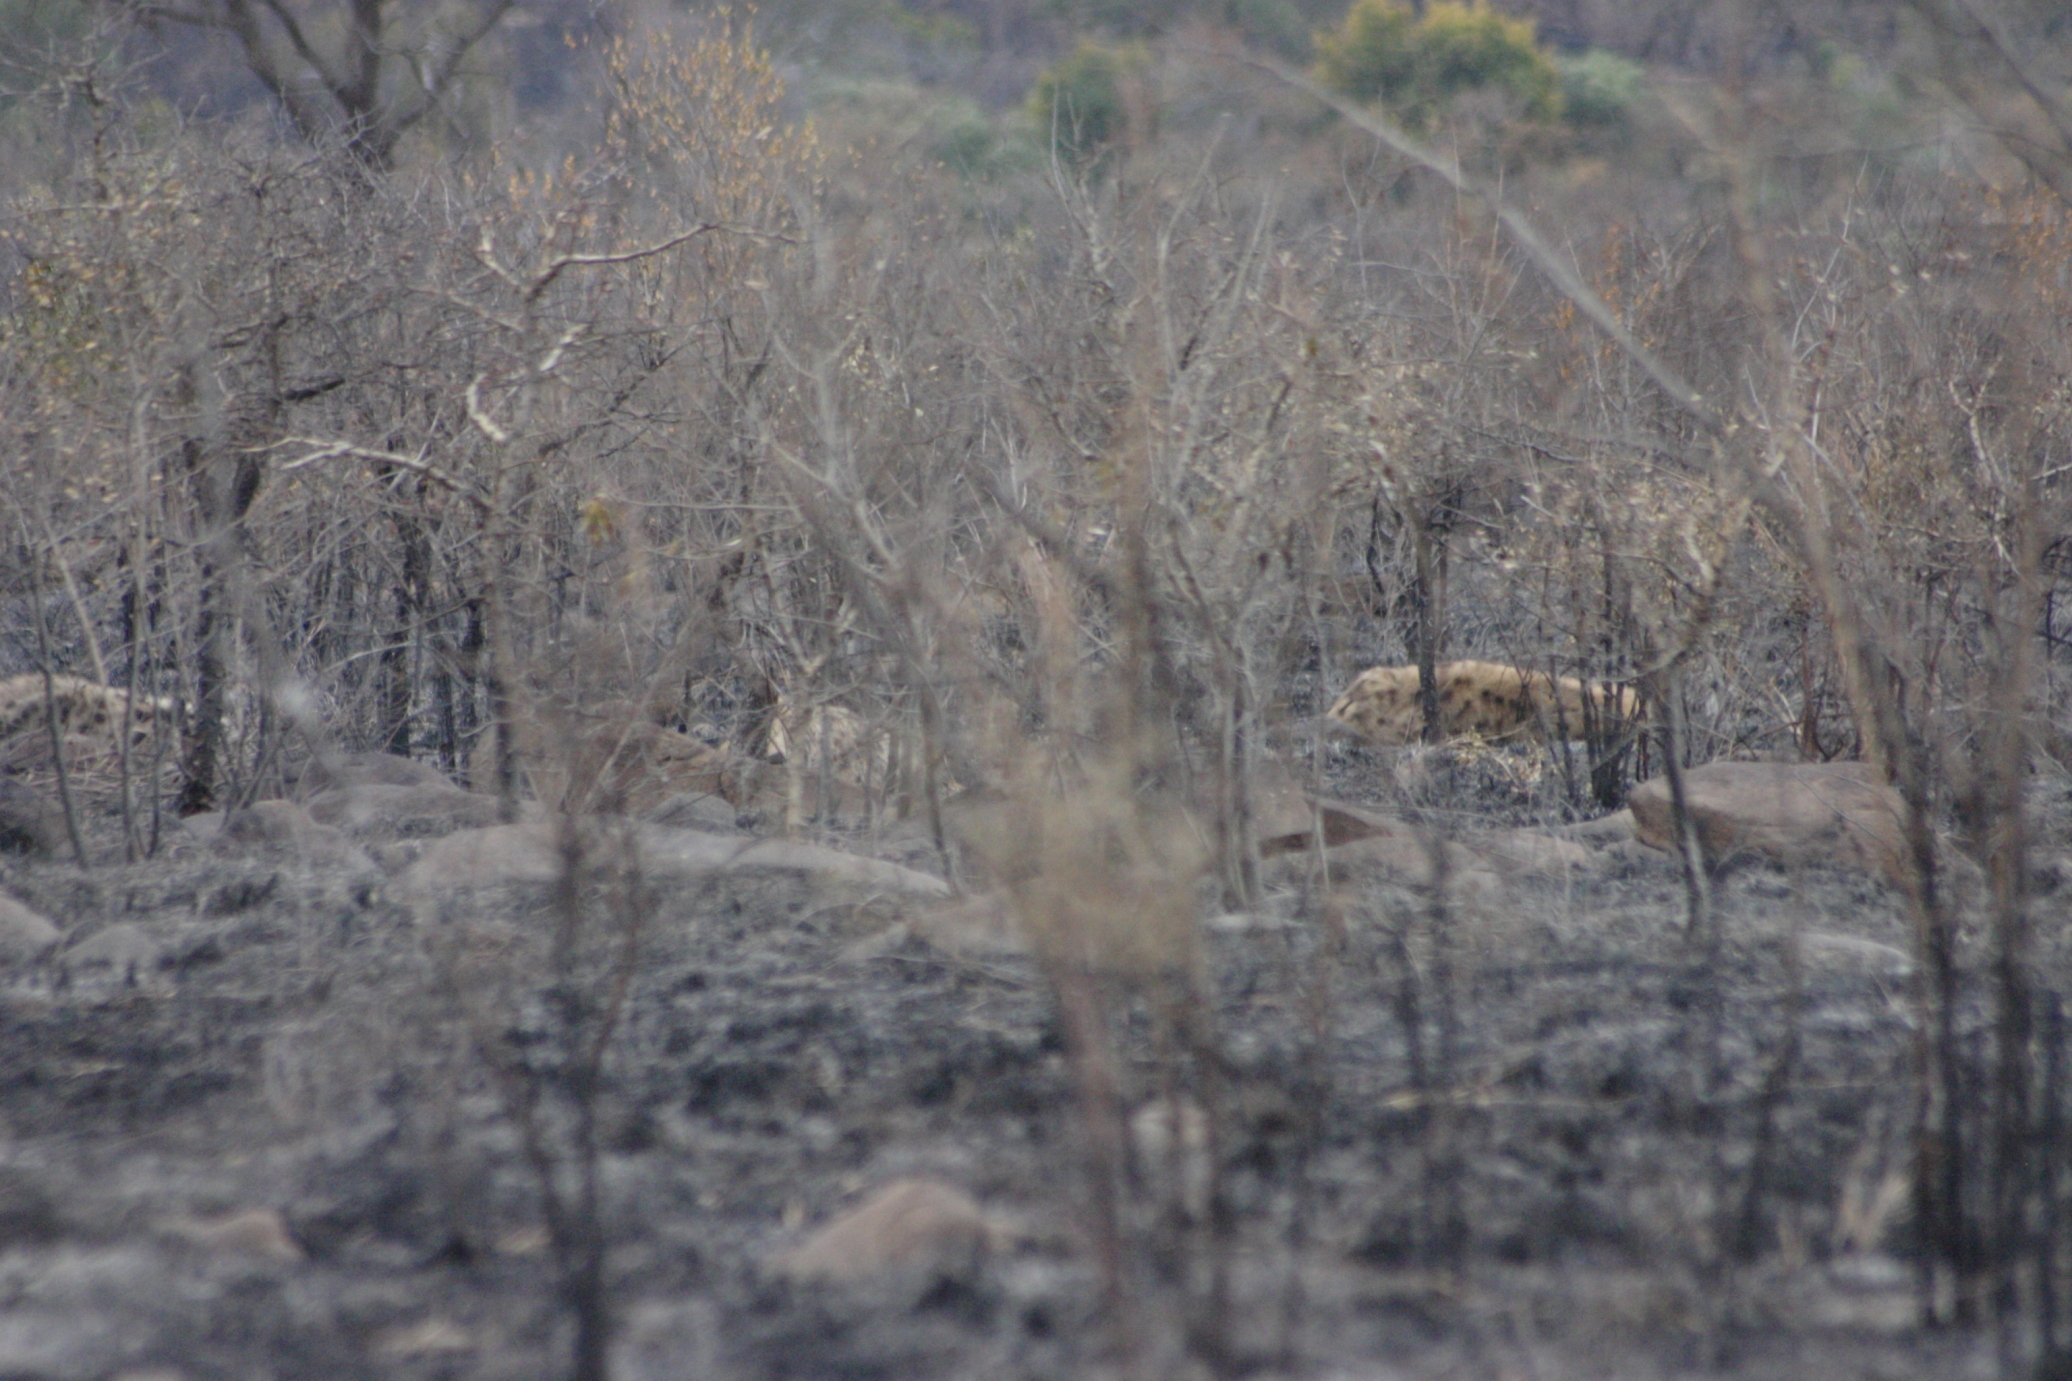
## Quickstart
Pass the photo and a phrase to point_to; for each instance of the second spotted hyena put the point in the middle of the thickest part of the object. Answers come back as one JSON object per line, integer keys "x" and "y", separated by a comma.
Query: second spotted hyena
{"x": 83, "y": 706}
{"x": 1479, "y": 699}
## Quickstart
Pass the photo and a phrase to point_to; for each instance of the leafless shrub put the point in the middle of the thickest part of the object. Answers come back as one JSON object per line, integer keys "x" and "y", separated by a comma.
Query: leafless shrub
{"x": 1078, "y": 495}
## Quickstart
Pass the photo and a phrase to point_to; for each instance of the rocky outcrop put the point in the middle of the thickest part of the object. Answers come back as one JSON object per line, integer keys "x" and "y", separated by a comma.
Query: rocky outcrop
{"x": 1834, "y": 813}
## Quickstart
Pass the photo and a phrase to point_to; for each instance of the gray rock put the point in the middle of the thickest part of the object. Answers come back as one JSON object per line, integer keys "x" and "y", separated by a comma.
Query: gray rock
{"x": 336, "y": 771}
{"x": 697, "y": 810}
{"x": 29, "y": 823}
{"x": 203, "y": 827}
{"x": 532, "y": 853}
{"x": 25, "y": 936}
{"x": 383, "y": 813}
{"x": 256, "y": 1234}
{"x": 283, "y": 827}
{"x": 1852, "y": 952}
{"x": 123, "y": 948}
{"x": 904, "y": 1238}
{"x": 665, "y": 1340}
{"x": 1833, "y": 813}
{"x": 28, "y": 1212}
{"x": 1606, "y": 829}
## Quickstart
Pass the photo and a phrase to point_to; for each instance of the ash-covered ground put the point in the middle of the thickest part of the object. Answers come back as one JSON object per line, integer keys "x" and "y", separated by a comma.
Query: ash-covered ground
{"x": 269, "y": 1112}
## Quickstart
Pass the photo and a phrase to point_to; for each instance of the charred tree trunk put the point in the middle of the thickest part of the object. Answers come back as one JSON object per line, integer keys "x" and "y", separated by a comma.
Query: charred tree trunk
{"x": 223, "y": 487}
{"x": 411, "y": 597}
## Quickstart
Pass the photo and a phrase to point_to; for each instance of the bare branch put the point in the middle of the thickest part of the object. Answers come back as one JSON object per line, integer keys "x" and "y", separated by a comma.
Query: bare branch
{"x": 243, "y": 21}
{"x": 483, "y": 422}
{"x": 332, "y": 450}
{"x": 1565, "y": 279}
{"x": 433, "y": 77}
{"x": 2049, "y": 101}
{"x": 569, "y": 261}
{"x": 298, "y": 41}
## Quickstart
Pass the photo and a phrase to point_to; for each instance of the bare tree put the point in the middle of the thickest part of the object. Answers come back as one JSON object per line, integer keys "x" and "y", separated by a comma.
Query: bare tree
{"x": 361, "y": 72}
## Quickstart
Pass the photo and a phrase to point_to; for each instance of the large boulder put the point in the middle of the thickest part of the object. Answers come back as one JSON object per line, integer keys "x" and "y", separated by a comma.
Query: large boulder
{"x": 1833, "y": 813}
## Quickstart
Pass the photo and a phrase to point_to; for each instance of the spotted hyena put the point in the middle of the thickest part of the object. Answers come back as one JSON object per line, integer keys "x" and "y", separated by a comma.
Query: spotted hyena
{"x": 83, "y": 707}
{"x": 1480, "y": 699}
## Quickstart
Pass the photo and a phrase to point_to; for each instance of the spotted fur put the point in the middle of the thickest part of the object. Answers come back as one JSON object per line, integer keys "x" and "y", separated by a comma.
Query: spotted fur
{"x": 1482, "y": 700}
{"x": 83, "y": 707}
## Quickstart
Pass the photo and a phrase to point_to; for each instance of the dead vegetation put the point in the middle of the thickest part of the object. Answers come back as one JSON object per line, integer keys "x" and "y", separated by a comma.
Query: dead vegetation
{"x": 1027, "y": 531}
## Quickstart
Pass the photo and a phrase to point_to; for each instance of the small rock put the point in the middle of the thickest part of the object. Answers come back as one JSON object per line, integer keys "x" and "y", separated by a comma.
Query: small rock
{"x": 425, "y": 1338}
{"x": 1850, "y": 951}
{"x": 1171, "y": 1139}
{"x": 1535, "y": 853}
{"x": 333, "y": 771}
{"x": 1241, "y": 923}
{"x": 387, "y": 812}
{"x": 260, "y": 1234}
{"x": 908, "y": 1235}
{"x": 523, "y": 1242}
{"x": 123, "y": 948}
{"x": 980, "y": 924}
{"x": 28, "y": 1213}
{"x": 2050, "y": 872}
{"x": 284, "y": 827}
{"x": 397, "y": 855}
{"x": 25, "y": 936}
{"x": 29, "y": 824}
{"x": 667, "y": 1340}
{"x": 203, "y": 827}
{"x": 697, "y": 810}
{"x": 1606, "y": 829}
{"x": 1280, "y": 800}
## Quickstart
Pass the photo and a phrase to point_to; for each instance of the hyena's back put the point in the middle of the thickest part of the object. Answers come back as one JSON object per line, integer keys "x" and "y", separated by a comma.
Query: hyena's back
{"x": 82, "y": 706}
{"x": 1481, "y": 699}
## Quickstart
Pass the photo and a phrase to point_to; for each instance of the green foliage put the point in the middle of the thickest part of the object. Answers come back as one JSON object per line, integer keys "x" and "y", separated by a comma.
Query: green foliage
{"x": 1079, "y": 105}
{"x": 969, "y": 143}
{"x": 1599, "y": 88}
{"x": 954, "y": 131}
{"x": 935, "y": 30}
{"x": 1383, "y": 51}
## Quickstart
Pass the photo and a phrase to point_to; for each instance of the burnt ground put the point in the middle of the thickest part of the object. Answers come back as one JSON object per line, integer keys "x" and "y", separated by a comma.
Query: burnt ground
{"x": 1523, "y": 1129}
